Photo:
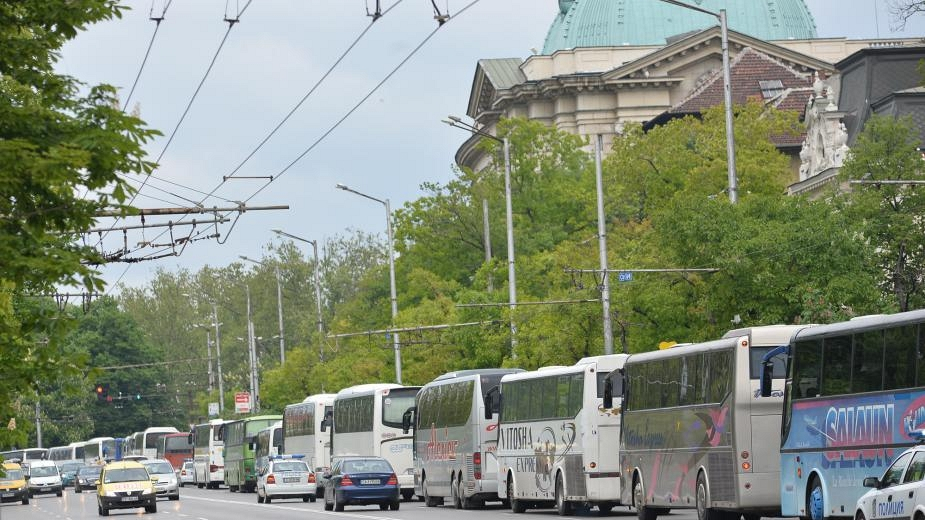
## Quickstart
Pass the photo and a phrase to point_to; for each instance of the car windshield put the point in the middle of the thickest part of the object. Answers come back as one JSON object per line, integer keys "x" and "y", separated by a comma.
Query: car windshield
{"x": 43, "y": 471}
{"x": 12, "y": 474}
{"x": 290, "y": 466}
{"x": 367, "y": 466}
{"x": 89, "y": 470}
{"x": 159, "y": 468}
{"x": 70, "y": 466}
{"x": 125, "y": 475}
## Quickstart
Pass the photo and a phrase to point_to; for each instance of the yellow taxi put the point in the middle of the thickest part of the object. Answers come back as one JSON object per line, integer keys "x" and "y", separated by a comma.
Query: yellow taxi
{"x": 13, "y": 484}
{"x": 125, "y": 485}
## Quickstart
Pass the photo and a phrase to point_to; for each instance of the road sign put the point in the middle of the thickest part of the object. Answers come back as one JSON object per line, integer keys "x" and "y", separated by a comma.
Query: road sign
{"x": 625, "y": 276}
{"x": 242, "y": 402}
{"x": 213, "y": 409}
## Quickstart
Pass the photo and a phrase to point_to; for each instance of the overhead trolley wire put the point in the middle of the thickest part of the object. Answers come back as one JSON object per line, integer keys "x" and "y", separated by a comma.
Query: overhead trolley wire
{"x": 157, "y": 25}
{"x": 231, "y": 24}
{"x": 293, "y": 110}
{"x": 330, "y": 130}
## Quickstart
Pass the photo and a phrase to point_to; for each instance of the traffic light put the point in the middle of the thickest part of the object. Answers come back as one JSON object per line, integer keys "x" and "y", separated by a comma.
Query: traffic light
{"x": 102, "y": 392}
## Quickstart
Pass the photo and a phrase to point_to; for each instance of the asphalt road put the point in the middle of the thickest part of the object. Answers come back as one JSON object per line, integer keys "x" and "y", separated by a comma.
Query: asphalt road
{"x": 204, "y": 504}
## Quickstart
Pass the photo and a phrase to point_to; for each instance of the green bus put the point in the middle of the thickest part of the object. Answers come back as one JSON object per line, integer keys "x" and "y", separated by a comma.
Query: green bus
{"x": 240, "y": 450}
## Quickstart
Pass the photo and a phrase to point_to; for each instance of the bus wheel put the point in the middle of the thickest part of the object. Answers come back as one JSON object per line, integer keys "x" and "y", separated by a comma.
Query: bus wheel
{"x": 454, "y": 493}
{"x": 563, "y": 506}
{"x": 639, "y": 500}
{"x": 429, "y": 501}
{"x": 517, "y": 506}
{"x": 704, "y": 511}
{"x": 464, "y": 502}
{"x": 860, "y": 516}
{"x": 407, "y": 494}
{"x": 815, "y": 505}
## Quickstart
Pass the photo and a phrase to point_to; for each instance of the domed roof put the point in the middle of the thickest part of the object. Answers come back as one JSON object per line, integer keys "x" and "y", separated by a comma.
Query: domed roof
{"x": 604, "y": 23}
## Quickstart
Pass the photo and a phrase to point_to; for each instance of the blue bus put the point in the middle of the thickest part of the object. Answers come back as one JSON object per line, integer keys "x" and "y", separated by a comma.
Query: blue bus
{"x": 855, "y": 391}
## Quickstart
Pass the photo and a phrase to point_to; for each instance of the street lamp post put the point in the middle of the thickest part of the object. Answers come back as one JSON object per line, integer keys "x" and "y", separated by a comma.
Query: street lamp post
{"x": 394, "y": 298}
{"x": 279, "y": 306}
{"x": 314, "y": 244}
{"x": 727, "y": 95}
{"x": 511, "y": 273}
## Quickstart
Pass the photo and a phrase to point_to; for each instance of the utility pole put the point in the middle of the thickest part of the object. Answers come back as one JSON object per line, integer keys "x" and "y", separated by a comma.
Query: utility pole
{"x": 602, "y": 246}
{"x": 218, "y": 354}
{"x": 252, "y": 352}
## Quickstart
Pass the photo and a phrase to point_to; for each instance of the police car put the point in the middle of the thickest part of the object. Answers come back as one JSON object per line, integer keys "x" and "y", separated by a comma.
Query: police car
{"x": 900, "y": 492}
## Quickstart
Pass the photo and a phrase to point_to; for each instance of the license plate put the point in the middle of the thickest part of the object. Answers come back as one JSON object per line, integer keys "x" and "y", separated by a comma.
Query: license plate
{"x": 46, "y": 489}
{"x": 291, "y": 479}
{"x": 370, "y": 481}
{"x": 129, "y": 499}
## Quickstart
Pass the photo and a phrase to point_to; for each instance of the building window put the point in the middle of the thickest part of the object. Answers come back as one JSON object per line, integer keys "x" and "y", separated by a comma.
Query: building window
{"x": 771, "y": 88}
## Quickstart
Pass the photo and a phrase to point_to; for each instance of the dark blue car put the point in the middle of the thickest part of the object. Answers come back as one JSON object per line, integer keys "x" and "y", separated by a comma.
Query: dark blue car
{"x": 361, "y": 481}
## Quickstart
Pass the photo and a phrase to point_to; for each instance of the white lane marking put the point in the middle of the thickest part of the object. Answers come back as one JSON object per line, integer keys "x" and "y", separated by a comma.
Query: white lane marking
{"x": 300, "y": 509}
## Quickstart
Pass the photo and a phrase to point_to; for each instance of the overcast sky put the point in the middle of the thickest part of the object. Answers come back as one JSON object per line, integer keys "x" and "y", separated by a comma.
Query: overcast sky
{"x": 272, "y": 58}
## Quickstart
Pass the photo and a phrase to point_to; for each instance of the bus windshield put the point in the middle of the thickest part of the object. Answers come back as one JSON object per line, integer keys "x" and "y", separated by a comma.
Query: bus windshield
{"x": 395, "y": 404}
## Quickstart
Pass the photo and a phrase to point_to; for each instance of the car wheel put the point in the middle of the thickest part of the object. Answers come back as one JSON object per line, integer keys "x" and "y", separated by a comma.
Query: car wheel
{"x": 312, "y": 498}
{"x": 152, "y": 508}
{"x": 383, "y": 507}
{"x": 77, "y": 489}
{"x": 517, "y": 506}
{"x": 25, "y": 500}
{"x": 59, "y": 493}
{"x": 395, "y": 505}
{"x": 328, "y": 506}
{"x": 259, "y": 498}
{"x": 267, "y": 499}
{"x": 604, "y": 508}
{"x": 102, "y": 510}
{"x": 174, "y": 497}
{"x": 338, "y": 504}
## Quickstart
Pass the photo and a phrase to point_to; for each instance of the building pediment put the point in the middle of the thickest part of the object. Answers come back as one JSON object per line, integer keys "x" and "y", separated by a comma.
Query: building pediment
{"x": 696, "y": 47}
{"x": 491, "y": 76}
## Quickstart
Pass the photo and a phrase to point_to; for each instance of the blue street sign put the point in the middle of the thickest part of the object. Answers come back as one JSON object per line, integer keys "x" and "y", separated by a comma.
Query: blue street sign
{"x": 625, "y": 276}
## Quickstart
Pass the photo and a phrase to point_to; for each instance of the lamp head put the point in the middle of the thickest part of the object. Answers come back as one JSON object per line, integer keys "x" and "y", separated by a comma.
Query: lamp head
{"x": 454, "y": 119}
{"x": 341, "y": 186}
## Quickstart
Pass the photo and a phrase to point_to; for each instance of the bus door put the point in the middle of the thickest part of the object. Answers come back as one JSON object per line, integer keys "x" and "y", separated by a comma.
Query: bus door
{"x": 605, "y": 453}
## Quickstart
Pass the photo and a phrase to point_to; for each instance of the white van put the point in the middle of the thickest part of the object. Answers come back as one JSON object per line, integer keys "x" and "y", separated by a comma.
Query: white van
{"x": 44, "y": 478}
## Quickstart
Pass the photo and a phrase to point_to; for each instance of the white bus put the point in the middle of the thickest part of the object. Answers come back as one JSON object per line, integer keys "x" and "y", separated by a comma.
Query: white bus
{"x": 25, "y": 455}
{"x": 73, "y": 451}
{"x": 696, "y": 431}
{"x": 559, "y": 435}
{"x": 209, "y": 454}
{"x": 303, "y": 432}
{"x": 269, "y": 443}
{"x": 144, "y": 443}
{"x": 368, "y": 421}
{"x": 455, "y": 438}
{"x": 98, "y": 449}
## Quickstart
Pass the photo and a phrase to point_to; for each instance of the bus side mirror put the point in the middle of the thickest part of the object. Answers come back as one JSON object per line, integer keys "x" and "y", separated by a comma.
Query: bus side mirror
{"x": 325, "y": 423}
{"x": 406, "y": 419}
{"x": 191, "y": 437}
{"x": 767, "y": 370}
{"x": 492, "y": 402}
{"x": 608, "y": 393}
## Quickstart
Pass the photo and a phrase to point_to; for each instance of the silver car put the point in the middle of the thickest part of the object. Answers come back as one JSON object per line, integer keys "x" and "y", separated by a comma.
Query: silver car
{"x": 166, "y": 485}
